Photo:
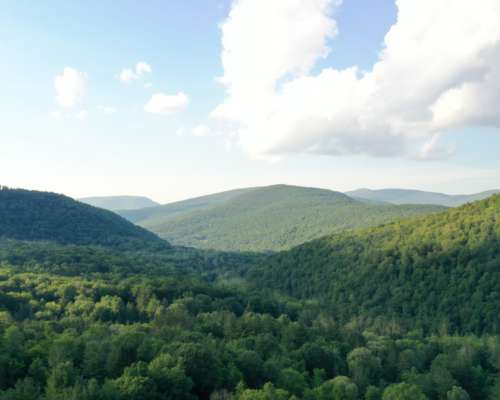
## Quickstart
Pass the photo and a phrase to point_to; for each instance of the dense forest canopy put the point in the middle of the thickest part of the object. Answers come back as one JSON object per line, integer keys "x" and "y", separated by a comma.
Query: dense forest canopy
{"x": 404, "y": 311}
{"x": 150, "y": 337}
{"x": 33, "y": 215}
{"x": 436, "y": 271}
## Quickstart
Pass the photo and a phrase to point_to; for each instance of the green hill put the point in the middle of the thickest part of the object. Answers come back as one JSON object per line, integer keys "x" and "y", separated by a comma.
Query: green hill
{"x": 31, "y": 215}
{"x": 407, "y": 196}
{"x": 114, "y": 203}
{"x": 266, "y": 218}
{"x": 166, "y": 211}
{"x": 442, "y": 270}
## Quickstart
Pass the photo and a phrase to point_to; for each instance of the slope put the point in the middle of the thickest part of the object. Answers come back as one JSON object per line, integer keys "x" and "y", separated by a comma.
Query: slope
{"x": 408, "y": 196}
{"x": 273, "y": 218}
{"x": 442, "y": 270}
{"x": 32, "y": 215}
{"x": 166, "y": 211}
{"x": 114, "y": 203}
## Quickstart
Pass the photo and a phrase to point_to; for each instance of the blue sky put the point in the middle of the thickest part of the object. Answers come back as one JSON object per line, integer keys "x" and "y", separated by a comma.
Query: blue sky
{"x": 82, "y": 151}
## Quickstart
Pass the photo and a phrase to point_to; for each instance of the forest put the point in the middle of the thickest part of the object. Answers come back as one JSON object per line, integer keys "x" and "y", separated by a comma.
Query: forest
{"x": 403, "y": 311}
{"x": 440, "y": 271}
{"x": 179, "y": 337}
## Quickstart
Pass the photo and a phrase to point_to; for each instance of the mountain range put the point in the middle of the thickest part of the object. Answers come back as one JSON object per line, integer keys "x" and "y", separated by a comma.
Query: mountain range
{"x": 119, "y": 202}
{"x": 409, "y": 196}
{"x": 95, "y": 307}
{"x": 270, "y": 218}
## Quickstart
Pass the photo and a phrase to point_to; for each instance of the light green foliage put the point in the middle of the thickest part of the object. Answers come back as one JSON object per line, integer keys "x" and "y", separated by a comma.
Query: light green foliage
{"x": 403, "y": 391}
{"x": 265, "y": 219}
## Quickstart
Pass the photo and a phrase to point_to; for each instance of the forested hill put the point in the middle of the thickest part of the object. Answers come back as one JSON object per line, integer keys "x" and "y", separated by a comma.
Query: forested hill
{"x": 166, "y": 211}
{"x": 407, "y": 196}
{"x": 32, "y": 215}
{"x": 114, "y": 203}
{"x": 269, "y": 218}
{"x": 439, "y": 271}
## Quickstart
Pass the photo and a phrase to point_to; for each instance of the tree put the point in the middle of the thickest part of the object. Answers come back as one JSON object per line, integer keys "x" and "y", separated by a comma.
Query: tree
{"x": 170, "y": 378}
{"x": 364, "y": 367}
{"x": 339, "y": 388}
{"x": 457, "y": 393}
{"x": 403, "y": 391}
{"x": 292, "y": 381}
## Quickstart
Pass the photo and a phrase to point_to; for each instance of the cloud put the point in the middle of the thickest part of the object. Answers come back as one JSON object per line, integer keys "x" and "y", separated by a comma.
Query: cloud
{"x": 129, "y": 74}
{"x": 438, "y": 70}
{"x": 433, "y": 150}
{"x": 70, "y": 87}
{"x": 161, "y": 103}
{"x": 142, "y": 68}
{"x": 201, "y": 131}
{"x": 107, "y": 110}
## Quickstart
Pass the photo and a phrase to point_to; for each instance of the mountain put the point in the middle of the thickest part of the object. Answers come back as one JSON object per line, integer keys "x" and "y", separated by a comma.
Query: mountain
{"x": 441, "y": 269}
{"x": 31, "y": 215}
{"x": 177, "y": 208}
{"x": 119, "y": 202}
{"x": 265, "y": 218}
{"x": 407, "y": 196}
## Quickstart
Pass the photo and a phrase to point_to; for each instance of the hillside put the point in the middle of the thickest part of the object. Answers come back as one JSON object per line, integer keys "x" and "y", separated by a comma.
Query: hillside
{"x": 32, "y": 215}
{"x": 407, "y": 196}
{"x": 442, "y": 270}
{"x": 271, "y": 218}
{"x": 166, "y": 211}
{"x": 114, "y": 203}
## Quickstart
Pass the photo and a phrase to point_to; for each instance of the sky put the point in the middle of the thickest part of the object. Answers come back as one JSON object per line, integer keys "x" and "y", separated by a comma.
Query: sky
{"x": 179, "y": 98}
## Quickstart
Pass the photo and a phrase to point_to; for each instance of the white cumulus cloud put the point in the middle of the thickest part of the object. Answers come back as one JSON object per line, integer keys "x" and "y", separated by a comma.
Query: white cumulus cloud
{"x": 142, "y": 68}
{"x": 129, "y": 74}
{"x": 161, "y": 103}
{"x": 201, "y": 131}
{"x": 70, "y": 87}
{"x": 439, "y": 69}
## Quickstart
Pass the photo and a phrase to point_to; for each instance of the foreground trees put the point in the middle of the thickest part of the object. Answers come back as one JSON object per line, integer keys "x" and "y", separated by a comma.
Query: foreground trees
{"x": 108, "y": 337}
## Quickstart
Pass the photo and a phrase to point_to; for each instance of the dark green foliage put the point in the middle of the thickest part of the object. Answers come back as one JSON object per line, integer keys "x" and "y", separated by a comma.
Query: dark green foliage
{"x": 75, "y": 260}
{"x": 266, "y": 219}
{"x": 178, "y": 338}
{"x": 109, "y": 323}
{"x": 32, "y": 215}
{"x": 439, "y": 272}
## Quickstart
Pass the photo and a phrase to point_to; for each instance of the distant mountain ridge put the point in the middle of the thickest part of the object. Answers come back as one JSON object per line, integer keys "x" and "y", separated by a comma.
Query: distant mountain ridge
{"x": 114, "y": 203}
{"x": 267, "y": 218}
{"x": 410, "y": 196}
{"x": 181, "y": 207}
{"x": 44, "y": 216}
